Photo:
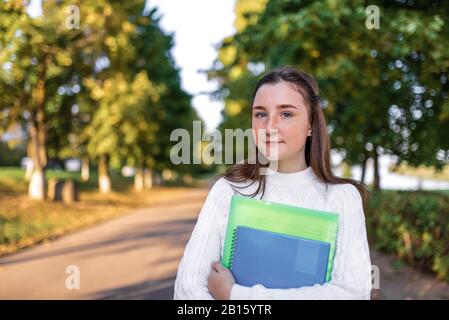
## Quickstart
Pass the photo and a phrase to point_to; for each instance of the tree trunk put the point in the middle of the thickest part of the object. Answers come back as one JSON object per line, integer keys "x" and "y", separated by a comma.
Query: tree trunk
{"x": 148, "y": 178}
{"x": 37, "y": 132}
{"x": 29, "y": 168}
{"x": 138, "y": 179}
{"x": 36, "y": 186}
{"x": 376, "y": 171}
{"x": 104, "y": 180}
{"x": 362, "y": 179}
{"x": 85, "y": 169}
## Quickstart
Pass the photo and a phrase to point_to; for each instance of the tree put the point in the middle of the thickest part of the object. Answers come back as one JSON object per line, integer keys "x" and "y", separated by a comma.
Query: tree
{"x": 365, "y": 75}
{"x": 107, "y": 91}
{"x": 144, "y": 89}
{"x": 36, "y": 58}
{"x": 122, "y": 127}
{"x": 174, "y": 108}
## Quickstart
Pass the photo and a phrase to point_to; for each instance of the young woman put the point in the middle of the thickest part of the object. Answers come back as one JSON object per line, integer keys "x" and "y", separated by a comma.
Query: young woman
{"x": 286, "y": 104}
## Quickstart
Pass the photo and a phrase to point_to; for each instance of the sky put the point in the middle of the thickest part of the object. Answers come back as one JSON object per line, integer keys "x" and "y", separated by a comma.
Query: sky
{"x": 197, "y": 25}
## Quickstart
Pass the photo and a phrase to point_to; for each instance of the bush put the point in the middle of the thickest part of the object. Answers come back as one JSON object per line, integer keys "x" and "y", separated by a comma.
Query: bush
{"x": 11, "y": 156}
{"x": 412, "y": 225}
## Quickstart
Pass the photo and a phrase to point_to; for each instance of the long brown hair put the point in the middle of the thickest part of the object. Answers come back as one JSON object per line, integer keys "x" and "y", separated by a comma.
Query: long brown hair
{"x": 317, "y": 148}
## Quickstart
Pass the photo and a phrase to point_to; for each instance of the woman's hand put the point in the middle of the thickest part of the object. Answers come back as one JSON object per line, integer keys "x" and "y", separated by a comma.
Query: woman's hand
{"x": 220, "y": 281}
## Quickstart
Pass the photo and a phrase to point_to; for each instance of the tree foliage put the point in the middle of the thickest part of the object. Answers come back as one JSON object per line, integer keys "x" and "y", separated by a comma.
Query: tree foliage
{"x": 384, "y": 91}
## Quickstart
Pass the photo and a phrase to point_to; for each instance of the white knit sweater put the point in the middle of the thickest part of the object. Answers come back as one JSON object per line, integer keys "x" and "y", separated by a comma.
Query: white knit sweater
{"x": 351, "y": 274}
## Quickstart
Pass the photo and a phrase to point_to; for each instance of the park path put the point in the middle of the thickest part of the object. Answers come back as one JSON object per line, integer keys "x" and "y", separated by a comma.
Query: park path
{"x": 136, "y": 257}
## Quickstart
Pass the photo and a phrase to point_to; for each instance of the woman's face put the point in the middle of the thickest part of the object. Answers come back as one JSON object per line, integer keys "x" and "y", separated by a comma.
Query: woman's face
{"x": 280, "y": 110}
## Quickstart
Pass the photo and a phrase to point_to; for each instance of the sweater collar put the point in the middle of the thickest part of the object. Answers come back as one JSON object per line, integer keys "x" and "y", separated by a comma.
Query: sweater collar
{"x": 289, "y": 179}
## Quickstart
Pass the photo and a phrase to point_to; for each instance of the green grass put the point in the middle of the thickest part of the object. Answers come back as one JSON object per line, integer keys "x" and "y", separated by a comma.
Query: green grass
{"x": 24, "y": 222}
{"x": 423, "y": 172}
{"x": 12, "y": 180}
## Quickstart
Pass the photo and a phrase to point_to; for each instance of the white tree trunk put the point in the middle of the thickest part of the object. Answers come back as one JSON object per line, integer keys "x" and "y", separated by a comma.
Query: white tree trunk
{"x": 104, "y": 180}
{"x": 38, "y": 159}
{"x": 148, "y": 178}
{"x": 104, "y": 183}
{"x": 85, "y": 169}
{"x": 36, "y": 187}
{"x": 29, "y": 170}
{"x": 138, "y": 179}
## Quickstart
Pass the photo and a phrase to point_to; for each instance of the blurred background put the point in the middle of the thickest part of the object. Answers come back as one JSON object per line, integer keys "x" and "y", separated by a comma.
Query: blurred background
{"x": 90, "y": 92}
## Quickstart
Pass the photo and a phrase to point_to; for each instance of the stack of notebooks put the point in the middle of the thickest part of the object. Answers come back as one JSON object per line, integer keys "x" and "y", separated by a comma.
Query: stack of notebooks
{"x": 278, "y": 245}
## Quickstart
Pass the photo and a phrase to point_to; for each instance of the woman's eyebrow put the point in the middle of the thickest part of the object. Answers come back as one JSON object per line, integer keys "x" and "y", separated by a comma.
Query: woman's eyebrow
{"x": 286, "y": 106}
{"x": 280, "y": 106}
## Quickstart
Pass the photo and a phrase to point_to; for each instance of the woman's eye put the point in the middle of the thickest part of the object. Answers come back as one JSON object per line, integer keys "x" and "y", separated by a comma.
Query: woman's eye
{"x": 287, "y": 114}
{"x": 259, "y": 114}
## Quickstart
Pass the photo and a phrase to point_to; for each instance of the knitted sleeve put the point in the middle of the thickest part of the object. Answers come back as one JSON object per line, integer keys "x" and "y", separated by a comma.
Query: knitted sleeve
{"x": 203, "y": 247}
{"x": 351, "y": 273}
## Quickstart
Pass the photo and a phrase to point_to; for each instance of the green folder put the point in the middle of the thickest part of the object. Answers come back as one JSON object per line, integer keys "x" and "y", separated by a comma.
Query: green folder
{"x": 281, "y": 218}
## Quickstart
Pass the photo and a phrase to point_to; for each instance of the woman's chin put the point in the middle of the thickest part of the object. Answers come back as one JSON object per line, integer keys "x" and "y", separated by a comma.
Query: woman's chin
{"x": 274, "y": 153}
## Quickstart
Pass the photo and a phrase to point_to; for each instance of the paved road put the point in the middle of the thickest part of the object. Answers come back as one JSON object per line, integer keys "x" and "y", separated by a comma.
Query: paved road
{"x": 136, "y": 257}
{"x": 132, "y": 257}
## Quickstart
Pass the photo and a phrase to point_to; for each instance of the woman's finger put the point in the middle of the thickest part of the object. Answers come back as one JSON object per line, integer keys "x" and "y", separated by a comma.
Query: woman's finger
{"x": 219, "y": 266}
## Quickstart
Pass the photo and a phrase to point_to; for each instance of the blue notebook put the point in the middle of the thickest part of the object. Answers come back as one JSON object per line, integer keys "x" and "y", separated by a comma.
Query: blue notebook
{"x": 276, "y": 260}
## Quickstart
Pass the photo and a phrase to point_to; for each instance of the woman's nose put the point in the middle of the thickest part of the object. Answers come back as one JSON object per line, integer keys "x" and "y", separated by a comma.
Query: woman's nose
{"x": 271, "y": 124}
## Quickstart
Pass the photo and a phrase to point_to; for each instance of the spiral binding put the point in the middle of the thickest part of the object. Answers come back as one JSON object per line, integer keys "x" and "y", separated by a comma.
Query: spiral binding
{"x": 231, "y": 256}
